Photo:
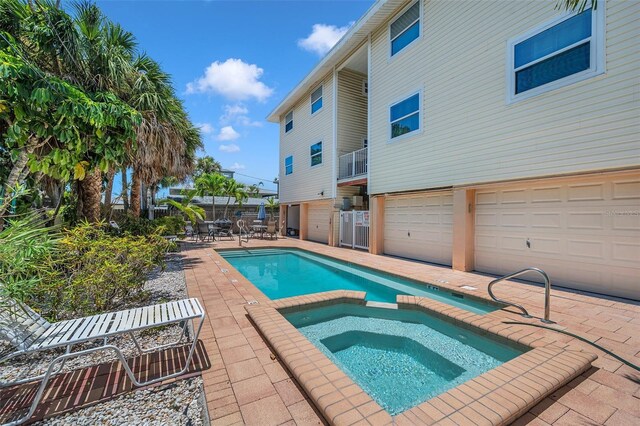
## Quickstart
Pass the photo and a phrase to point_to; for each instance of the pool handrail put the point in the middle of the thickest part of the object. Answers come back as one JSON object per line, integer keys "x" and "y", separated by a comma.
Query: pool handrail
{"x": 547, "y": 292}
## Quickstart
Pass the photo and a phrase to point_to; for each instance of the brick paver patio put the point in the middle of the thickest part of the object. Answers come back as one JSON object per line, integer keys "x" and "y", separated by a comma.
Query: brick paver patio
{"x": 248, "y": 385}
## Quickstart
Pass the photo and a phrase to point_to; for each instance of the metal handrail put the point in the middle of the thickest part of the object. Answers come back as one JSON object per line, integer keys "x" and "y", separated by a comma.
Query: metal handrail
{"x": 547, "y": 292}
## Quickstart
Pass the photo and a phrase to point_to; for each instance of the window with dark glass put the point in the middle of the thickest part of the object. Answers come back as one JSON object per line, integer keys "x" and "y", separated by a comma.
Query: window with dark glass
{"x": 405, "y": 116}
{"x": 316, "y": 100}
{"x": 316, "y": 154}
{"x": 405, "y": 29}
{"x": 288, "y": 165}
{"x": 555, "y": 53}
{"x": 288, "y": 122}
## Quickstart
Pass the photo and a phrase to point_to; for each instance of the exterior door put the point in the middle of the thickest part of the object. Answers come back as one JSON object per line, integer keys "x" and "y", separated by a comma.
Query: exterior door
{"x": 319, "y": 216}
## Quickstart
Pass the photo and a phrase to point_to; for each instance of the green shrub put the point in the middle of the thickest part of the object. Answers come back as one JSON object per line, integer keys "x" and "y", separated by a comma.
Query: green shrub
{"x": 138, "y": 226}
{"x": 170, "y": 225}
{"x": 95, "y": 271}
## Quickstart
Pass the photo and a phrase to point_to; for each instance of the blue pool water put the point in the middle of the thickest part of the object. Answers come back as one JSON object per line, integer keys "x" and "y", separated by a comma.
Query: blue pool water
{"x": 400, "y": 358}
{"x": 280, "y": 273}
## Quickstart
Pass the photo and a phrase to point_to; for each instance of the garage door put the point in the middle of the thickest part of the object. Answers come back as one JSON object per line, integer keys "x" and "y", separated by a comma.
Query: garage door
{"x": 419, "y": 227}
{"x": 585, "y": 234}
{"x": 318, "y": 223}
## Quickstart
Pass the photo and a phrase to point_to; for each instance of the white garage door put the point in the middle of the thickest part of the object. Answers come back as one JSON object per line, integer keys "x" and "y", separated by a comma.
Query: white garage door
{"x": 419, "y": 227}
{"x": 318, "y": 223}
{"x": 585, "y": 234}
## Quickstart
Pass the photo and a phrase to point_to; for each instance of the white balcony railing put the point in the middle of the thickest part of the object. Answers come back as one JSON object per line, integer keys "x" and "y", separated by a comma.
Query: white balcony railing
{"x": 353, "y": 164}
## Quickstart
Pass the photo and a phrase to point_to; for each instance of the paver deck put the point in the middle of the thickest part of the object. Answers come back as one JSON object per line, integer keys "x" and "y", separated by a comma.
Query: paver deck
{"x": 248, "y": 385}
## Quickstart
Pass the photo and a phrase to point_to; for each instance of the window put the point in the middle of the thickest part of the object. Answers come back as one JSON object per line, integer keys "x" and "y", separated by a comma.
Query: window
{"x": 365, "y": 143}
{"x": 316, "y": 100}
{"x": 405, "y": 29}
{"x": 316, "y": 154}
{"x": 288, "y": 122}
{"x": 365, "y": 87}
{"x": 562, "y": 52}
{"x": 288, "y": 165}
{"x": 405, "y": 116}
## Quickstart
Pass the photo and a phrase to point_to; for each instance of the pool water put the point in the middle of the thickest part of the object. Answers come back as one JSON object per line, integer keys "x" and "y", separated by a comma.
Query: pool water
{"x": 281, "y": 273}
{"x": 400, "y": 358}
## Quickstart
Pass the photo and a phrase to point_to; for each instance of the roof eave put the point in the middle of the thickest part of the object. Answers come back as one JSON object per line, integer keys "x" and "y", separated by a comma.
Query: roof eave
{"x": 341, "y": 49}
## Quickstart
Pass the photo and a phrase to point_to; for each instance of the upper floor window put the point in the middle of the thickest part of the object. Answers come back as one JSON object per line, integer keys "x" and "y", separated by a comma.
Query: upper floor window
{"x": 365, "y": 87}
{"x": 288, "y": 122}
{"x": 404, "y": 116}
{"x": 316, "y": 154}
{"x": 561, "y": 52}
{"x": 288, "y": 165}
{"x": 316, "y": 100}
{"x": 405, "y": 29}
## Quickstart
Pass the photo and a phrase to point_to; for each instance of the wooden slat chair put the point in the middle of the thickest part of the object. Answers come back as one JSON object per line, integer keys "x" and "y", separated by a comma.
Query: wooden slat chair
{"x": 28, "y": 332}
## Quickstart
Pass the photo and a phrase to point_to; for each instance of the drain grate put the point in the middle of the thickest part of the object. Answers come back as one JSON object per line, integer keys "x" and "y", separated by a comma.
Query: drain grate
{"x": 252, "y": 302}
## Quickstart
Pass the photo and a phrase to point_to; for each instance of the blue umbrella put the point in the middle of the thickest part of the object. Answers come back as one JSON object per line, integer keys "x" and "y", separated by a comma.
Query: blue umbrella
{"x": 262, "y": 213}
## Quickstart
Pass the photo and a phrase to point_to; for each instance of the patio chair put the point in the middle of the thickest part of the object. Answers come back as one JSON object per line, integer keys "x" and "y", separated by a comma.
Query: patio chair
{"x": 204, "y": 232}
{"x": 271, "y": 230}
{"x": 189, "y": 232}
{"x": 29, "y": 333}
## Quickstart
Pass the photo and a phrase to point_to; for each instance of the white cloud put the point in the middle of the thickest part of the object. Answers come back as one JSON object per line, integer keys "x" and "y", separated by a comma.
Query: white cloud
{"x": 205, "y": 128}
{"x": 232, "y": 147}
{"x": 323, "y": 37}
{"x": 234, "y": 79}
{"x": 237, "y": 166}
{"x": 228, "y": 133}
{"x": 237, "y": 114}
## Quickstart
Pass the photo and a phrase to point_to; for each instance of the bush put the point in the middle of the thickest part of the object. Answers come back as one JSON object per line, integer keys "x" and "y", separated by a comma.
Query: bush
{"x": 169, "y": 225}
{"x": 96, "y": 272}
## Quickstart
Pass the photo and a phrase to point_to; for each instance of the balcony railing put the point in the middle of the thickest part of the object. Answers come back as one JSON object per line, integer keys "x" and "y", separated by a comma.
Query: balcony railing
{"x": 353, "y": 164}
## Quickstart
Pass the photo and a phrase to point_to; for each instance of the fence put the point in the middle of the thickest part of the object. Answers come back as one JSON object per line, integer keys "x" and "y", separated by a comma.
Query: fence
{"x": 354, "y": 229}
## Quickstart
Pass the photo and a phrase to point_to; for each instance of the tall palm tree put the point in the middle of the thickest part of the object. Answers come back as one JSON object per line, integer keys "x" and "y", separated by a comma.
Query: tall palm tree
{"x": 210, "y": 184}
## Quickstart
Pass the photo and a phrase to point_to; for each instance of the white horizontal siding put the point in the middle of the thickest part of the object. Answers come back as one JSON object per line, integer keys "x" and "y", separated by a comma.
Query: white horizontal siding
{"x": 469, "y": 133}
{"x": 352, "y": 111}
{"x": 306, "y": 183}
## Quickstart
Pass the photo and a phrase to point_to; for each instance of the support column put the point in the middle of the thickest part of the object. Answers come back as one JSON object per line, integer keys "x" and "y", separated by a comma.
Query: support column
{"x": 283, "y": 220}
{"x": 376, "y": 224}
{"x": 464, "y": 206}
{"x": 304, "y": 220}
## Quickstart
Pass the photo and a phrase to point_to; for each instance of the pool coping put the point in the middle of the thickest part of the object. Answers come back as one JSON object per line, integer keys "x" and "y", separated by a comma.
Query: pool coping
{"x": 496, "y": 397}
{"x": 471, "y": 294}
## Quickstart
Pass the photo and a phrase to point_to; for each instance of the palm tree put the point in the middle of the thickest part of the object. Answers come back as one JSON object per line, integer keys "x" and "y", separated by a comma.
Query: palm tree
{"x": 190, "y": 210}
{"x": 272, "y": 205}
{"x": 206, "y": 164}
{"x": 210, "y": 184}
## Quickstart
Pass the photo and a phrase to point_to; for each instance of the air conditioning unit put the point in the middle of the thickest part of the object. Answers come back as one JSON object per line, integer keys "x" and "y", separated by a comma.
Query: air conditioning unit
{"x": 357, "y": 201}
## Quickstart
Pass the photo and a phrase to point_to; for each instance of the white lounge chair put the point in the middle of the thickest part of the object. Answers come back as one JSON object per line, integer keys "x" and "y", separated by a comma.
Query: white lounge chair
{"x": 28, "y": 332}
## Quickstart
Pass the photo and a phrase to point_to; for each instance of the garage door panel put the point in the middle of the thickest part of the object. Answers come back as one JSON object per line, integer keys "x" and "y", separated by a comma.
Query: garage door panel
{"x": 318, "y": 223}
{"x": 585, "y": 235}
{"x": 419, "y": 227}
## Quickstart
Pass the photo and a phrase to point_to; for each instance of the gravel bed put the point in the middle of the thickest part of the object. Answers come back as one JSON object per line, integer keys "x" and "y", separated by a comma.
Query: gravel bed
{"x": 177, "y": 403}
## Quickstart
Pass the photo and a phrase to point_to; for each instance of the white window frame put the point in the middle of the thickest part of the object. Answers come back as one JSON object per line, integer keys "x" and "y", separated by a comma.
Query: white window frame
{"x": 287, "y": 122}
{"x": 413, "y": 42}
{"x": 285, "y": 165}
{"x": 321, "y": 153}
{"x": 413, "y": 132}
{"x": 597, "y": 55}
{"x": 321, "y": 98}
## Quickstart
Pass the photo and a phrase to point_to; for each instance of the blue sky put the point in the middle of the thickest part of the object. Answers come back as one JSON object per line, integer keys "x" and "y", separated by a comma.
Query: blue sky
{"x": 232, "y": 62}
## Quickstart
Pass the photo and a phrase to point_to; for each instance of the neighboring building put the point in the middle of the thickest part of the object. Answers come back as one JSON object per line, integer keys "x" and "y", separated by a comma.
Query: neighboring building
{"x": 248, "y": 210}
{"x": 489, "y": 136}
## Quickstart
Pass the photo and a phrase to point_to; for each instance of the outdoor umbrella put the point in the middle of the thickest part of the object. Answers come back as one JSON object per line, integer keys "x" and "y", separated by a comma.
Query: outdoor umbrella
{"x": 262, "y": 213}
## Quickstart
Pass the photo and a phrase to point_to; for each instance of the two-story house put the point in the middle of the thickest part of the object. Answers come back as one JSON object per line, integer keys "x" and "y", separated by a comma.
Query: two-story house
{"x": 482, "y": 135}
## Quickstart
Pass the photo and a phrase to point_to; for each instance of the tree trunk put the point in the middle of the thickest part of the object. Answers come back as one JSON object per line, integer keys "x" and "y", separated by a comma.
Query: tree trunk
{"x": 91, "y": 192}
{"x": 108, "y": 190}
{"x": 14, "y": 176}
{"x": 136, "y": 183}
{"x": 213, "y": 207}
{"x": 125, "y": 190}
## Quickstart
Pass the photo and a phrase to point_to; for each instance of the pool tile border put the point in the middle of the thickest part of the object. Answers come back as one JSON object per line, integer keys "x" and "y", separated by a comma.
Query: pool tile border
{"x": 496, "y": 397}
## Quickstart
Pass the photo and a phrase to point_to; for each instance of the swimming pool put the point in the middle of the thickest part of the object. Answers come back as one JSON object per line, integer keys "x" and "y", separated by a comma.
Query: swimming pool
{"x": 400, "y": 358}
{"x": 281, "y": 273}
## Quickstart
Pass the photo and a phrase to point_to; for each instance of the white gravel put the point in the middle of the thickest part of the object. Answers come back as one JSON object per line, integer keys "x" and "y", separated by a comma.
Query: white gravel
{"x": 177, "y": 403}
